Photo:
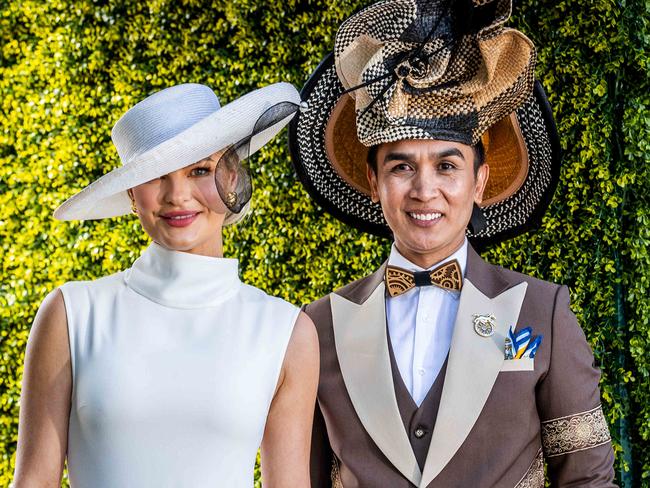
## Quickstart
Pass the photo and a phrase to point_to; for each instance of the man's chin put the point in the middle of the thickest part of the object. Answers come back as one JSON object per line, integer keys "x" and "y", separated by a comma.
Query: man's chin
{"x": 421, "y": 246}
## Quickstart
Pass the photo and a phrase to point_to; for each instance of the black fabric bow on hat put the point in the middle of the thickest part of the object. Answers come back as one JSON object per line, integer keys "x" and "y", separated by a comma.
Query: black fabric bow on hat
{"x": 450, "y": 20}
{"x": 435, "y": 69}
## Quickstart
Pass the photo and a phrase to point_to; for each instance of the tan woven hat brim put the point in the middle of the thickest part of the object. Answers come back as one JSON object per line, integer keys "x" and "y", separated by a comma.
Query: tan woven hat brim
{"x": 505, "y": 152}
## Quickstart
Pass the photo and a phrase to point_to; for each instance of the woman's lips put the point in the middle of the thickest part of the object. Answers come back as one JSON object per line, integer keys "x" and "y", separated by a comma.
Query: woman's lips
{"x": 179, "y": 219}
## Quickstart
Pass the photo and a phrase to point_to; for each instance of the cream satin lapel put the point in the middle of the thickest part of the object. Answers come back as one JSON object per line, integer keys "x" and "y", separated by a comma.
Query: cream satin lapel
{"x": 472, "y": 369}
{"x": 362, "y": 350}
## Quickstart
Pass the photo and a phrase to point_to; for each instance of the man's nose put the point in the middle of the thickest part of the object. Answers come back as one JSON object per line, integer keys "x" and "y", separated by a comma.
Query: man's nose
{"x": 425, "y": 185}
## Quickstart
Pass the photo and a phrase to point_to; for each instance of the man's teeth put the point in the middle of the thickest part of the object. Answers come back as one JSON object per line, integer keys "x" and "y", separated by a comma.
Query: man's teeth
{"x": 425, "y": 216}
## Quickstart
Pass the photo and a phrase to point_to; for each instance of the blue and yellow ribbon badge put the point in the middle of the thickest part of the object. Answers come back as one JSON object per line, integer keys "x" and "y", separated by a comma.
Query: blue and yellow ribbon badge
{"x": 521, "y": 344}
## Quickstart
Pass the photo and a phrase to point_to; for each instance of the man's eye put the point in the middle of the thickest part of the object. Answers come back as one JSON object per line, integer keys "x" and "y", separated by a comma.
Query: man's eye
{"x": 402, "y": 167}
{"x": 446, "y": 166}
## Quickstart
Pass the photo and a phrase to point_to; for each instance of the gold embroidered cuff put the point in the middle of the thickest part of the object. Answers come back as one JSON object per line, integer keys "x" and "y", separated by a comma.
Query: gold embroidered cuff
{"x": 575, "y": 432}
{"x": 534, "y": 477}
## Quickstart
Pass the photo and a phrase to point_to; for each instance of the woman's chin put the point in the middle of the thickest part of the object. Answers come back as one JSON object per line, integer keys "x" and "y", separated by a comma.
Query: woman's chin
{"x": 181, "y": 242}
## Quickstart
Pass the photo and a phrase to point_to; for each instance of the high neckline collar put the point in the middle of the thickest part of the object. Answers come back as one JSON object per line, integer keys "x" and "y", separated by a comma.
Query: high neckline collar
{"x": 183, "y": 280}
{"x": 397, "y": 259}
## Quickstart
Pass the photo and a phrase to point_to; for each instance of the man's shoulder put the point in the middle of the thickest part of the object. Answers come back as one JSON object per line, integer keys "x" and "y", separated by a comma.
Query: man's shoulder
{"x": 350, "y": 291}
{"x": 536, "y": 286}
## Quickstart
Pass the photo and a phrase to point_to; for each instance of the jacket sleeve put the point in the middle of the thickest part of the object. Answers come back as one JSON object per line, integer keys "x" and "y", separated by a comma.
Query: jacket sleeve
{"x": 321, "y": 453}
{"x": 321, "y": 456}
{"x": 575, "y": 437}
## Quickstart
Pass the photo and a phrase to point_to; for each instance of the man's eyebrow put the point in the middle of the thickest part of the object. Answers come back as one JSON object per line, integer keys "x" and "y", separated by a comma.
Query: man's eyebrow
{"x": 403, "y": 156}
{"x": 398, "y": 156}
{"x": 452, "y": 151}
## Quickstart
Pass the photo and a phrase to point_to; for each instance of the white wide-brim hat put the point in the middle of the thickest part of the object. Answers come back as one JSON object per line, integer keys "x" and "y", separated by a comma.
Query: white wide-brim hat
{"x": 171, "y": 129}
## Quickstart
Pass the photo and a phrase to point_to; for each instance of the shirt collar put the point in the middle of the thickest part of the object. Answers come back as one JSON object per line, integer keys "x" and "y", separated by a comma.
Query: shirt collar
{"x": 396, "y": 259}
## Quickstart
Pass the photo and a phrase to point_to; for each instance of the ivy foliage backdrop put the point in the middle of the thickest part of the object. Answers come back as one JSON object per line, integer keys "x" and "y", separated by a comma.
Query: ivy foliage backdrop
{"x": 69, "y": 69}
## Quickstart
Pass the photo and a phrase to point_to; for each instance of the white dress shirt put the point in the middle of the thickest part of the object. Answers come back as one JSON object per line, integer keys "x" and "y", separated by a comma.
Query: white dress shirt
{"x": 420, "y": 325}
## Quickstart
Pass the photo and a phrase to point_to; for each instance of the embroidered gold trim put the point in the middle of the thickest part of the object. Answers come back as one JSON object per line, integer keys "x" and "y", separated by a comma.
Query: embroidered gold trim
{"x": 336, "y": 474}
{"x": 534, "y": 477}
{"x": 574, "y": 433}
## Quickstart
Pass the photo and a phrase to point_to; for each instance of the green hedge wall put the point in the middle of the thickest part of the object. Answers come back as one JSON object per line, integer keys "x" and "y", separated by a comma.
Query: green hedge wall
{"x": 68, "y": 70}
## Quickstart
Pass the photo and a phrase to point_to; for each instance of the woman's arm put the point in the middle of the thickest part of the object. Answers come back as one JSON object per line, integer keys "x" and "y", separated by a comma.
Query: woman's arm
{"x": 45, "y": 399}
{"x": 286, "y": 443}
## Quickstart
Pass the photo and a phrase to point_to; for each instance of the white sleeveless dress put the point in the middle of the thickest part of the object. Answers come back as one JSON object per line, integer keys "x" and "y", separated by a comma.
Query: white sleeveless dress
{"x": 175, "y": 363}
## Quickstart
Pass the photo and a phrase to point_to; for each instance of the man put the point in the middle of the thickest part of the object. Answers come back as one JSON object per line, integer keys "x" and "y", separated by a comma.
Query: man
{"x": 440, "y": 369}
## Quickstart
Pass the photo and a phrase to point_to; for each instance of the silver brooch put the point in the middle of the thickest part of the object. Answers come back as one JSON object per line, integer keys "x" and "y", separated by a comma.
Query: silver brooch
{"x": 484, "y": 324}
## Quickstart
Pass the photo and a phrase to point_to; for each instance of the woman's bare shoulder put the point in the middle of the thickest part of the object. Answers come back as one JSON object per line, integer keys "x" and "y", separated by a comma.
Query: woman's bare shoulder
{"x": 48, "y": 339}
{"x": 303, "y": 345}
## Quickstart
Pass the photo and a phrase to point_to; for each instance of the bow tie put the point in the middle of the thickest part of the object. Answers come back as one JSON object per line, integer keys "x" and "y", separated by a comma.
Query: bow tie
{"x": 446, "y": 276}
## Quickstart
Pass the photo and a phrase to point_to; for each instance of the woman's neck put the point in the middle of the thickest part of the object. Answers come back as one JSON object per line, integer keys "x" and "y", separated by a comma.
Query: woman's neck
{"x": 212, "y": 248}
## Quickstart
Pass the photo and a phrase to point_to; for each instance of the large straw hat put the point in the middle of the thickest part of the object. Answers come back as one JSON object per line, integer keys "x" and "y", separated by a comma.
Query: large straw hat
{"x": 449, "y": 70}
{"x": 171, "y": 129}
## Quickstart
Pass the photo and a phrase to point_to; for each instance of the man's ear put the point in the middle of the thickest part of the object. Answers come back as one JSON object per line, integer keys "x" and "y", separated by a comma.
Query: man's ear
{"x": 372, "y": 179}
{"x": 482, "y": 176}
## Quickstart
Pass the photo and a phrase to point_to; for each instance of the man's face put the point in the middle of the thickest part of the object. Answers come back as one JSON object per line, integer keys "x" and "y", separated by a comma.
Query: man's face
{"x": 427, "y": 189}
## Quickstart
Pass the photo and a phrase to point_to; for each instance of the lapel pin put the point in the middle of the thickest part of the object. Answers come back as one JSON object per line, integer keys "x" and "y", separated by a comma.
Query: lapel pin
{"x": 508, "y": 354}
{"x": 484, "y": 324}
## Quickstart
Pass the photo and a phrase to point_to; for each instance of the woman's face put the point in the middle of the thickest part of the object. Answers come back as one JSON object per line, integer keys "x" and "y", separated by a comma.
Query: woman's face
{"x": 182, "y": 210}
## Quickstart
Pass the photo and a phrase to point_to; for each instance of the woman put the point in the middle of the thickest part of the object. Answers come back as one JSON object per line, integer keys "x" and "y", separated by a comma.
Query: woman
{"x": 172, "y": 372}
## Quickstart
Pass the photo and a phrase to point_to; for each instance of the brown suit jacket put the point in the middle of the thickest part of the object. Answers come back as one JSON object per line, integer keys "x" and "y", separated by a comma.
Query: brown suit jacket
{"x": 496, "y": 421}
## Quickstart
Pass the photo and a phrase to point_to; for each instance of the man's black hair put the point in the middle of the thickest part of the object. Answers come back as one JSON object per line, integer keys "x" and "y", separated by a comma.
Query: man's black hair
{"x": 479, "y": 157}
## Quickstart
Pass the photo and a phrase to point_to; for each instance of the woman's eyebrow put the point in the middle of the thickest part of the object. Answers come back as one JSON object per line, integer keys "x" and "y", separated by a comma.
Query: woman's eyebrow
{"x": 204, "y": 160}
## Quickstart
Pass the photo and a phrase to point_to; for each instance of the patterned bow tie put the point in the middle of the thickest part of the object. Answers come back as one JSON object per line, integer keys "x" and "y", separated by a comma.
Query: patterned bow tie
{"x": 446, "y": 276}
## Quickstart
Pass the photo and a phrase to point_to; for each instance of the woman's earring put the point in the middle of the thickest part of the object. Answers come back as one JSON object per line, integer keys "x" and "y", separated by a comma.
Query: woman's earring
{"x": 231, "y": 199}
{"x": 134, "y": 209}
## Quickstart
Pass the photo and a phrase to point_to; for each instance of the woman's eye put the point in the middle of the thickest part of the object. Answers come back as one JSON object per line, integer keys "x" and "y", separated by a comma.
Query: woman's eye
{"x": 200, "y": 171}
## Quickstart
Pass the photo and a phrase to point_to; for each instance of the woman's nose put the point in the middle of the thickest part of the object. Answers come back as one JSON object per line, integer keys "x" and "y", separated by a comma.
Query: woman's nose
{"x": 176, "y": 189}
